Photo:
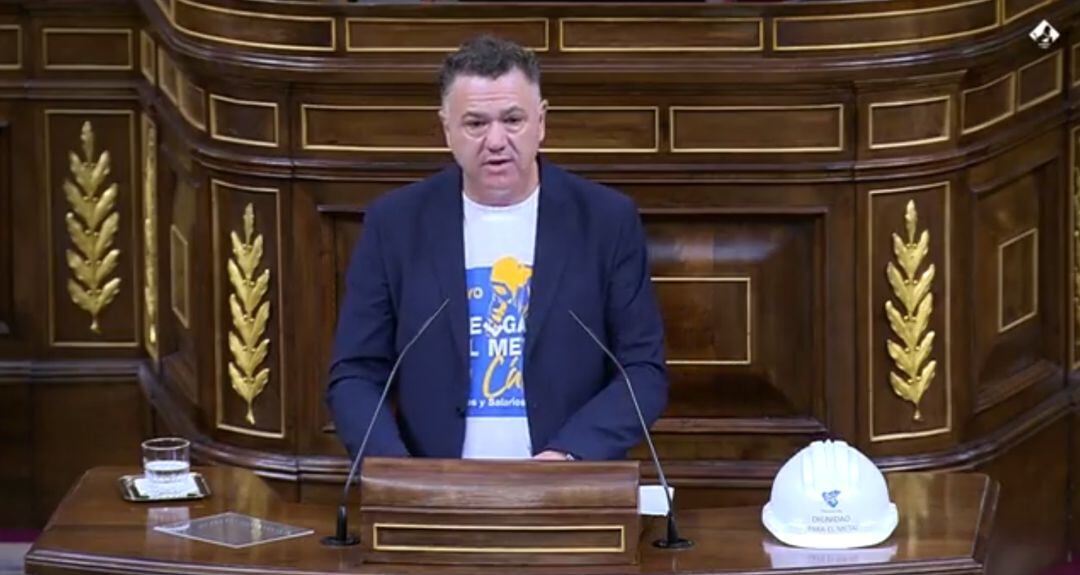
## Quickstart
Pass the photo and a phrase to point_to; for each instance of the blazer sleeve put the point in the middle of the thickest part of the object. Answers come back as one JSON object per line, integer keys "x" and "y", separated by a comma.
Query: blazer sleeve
{"x": 607, "y": 426}
{"x": 364, "y": 351}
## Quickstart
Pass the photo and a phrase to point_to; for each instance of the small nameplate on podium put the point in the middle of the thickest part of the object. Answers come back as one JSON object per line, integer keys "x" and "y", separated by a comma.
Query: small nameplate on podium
{"x": 499, "y": 512}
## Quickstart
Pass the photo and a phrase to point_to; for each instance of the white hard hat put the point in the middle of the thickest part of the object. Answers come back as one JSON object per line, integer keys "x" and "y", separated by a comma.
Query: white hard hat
{"x": 829, "y": 496}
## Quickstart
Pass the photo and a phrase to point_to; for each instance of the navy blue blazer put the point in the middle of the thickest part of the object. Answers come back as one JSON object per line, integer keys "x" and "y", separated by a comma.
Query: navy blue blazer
{"x": 590, "y": 258}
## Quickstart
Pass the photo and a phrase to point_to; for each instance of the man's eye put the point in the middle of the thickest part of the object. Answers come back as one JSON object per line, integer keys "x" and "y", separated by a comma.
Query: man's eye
{"x": 514, "y": 121}
{"x": 474, "y": 124}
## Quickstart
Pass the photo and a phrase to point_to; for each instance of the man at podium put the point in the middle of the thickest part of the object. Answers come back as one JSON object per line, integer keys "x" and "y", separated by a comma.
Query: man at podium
{"x": 518, "y": 250}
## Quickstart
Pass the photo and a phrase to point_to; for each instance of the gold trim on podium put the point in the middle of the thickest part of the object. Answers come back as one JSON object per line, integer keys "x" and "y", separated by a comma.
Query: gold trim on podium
{"x": 378, "y": 546}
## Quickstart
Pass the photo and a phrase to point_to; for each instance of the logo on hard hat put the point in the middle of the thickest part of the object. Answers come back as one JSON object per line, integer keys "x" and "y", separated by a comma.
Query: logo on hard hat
{"x": 831, "y": 497}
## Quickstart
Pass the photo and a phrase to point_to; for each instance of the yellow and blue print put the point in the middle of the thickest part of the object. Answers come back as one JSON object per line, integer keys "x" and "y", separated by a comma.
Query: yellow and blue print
{"x": 498, "y": 306}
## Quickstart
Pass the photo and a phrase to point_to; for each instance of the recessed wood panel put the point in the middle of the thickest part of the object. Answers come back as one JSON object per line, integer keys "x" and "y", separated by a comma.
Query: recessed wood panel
{"x": 247, "y": 220}
{"x": 599, "y": 129}
{"x": 737, "y": 292}
{"x": 731, "y": 298}
{"x": 661, "y": 34}
{"x": 11, "y": 49}
{"x": 889, "y": 28}
{"x": 246, "y": 122}
{"x": 168, "y": 77}
{"x": 439, "y": 34}
{"x": 147, "y": 57}
{"x": 1018, "y": 279}
{"x": 91, "y": 49}
{"x": 371, "y": 128}
{"x": 991, "y": 103}
{"x": 902, "y": 218}
{"x": 180, "y": 276}
{"x": 7, "y": 277}
{"x": 757, "y": 129}
{"x": 192, "y": 102}
{"x": 1014, "y": 9}
{"x": 262, "y": 29}
{"x": 906, "y": 123}
{"x": 1040, "y": 80}
{"x": 1008, "y": 334}
{"x": 115, "y": 322}
{"x": 1075, "y": 59}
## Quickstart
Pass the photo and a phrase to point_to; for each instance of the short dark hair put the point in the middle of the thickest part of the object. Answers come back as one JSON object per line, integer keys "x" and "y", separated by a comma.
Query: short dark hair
{"x": 488, "y": 57}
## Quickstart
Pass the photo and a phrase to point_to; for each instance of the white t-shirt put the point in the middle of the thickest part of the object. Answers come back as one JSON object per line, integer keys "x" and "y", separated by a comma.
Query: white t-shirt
{"x": 499, "y": 246}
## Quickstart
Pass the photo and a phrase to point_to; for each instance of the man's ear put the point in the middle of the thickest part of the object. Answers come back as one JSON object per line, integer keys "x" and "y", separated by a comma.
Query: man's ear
{"x": 444, "y": 119}
{"x": 543, "y": 118}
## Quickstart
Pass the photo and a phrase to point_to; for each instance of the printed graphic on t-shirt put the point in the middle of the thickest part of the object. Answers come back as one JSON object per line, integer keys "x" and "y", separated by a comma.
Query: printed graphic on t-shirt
{"x": 498, "y": 307}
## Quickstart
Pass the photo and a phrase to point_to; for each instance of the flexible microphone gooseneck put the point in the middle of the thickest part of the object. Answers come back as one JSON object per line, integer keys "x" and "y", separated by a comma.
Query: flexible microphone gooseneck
{"x": 672, "y": 540}
{"x": 341, "y": 536}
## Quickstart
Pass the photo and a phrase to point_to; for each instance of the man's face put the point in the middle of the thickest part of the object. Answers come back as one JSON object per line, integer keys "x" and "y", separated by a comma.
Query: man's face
{"x": 494, "y": 128}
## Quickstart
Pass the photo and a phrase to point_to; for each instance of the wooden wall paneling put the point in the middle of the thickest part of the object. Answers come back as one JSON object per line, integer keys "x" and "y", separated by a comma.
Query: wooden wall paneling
{"x": 249, "y": 309}
{"x": 329, "y": 215}
{"x": 80, "y": 421}
{"x": 7, "y": 236}
{"x": 906, "y": 373}
{"x": 1073, "y": 265}
{"x": 17, "y": 452}
{"x": 1016, "y": 262}
{"x": 109, "y": 313}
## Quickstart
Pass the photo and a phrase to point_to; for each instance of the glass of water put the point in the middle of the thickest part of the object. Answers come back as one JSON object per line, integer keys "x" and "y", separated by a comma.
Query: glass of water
{"x": 166, "y": 461}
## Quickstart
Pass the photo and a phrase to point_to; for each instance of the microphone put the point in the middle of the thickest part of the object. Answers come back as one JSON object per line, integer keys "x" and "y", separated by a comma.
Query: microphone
{"x": 341, "y": 536}
{"x": 672, "y": 539}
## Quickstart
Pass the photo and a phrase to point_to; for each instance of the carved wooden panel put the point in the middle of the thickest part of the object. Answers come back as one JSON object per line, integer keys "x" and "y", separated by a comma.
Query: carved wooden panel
{"x": 244, "y": 121}
{"x": 811, "y": 128}
{"x": 908, "y": 304}
{"x": 726, "y": 285}
{"x": 248, "y": 309}
{"x": 148, "y": 57}
{"x": 11, "y": 47}
{"x": 262, "y": 28}
{"x": 1073, "y": 247}
{"x": 887, "y": 29}
{"x": 1040, "y": 80}
{"x": 418, "y": 34}
{"x": 192, "y": 102}
{"x": 628, "y": 34}
{"x": 911, "y": 122}
{"x": 1009, "y": 336}
{"x": 7, "y": 244}
{"x": 90, "y": 184}
{"x": 988, "y": 104}
{"x": 90, "y": 49}
{"x": 1015, "y": 9}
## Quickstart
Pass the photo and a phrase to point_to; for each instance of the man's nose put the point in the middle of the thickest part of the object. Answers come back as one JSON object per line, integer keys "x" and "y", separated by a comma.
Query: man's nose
{"x": 496, "y": 136}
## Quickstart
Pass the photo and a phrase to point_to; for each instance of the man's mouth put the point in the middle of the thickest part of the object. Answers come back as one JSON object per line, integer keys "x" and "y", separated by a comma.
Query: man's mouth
{"x": 497, "y": 162}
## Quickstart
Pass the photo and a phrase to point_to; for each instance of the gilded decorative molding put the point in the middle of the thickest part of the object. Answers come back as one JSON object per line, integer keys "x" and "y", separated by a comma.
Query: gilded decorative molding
{"x": 913, "y": 292}
{"x": 150, "y": 236}
{"x": 92, "y": 227}
{"x": 250, "y": 314}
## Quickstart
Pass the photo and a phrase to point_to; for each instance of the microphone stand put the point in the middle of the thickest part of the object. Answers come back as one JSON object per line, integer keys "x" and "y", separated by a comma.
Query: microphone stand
{"x": 341, "y": 536}
{"x": 672, "y": 540}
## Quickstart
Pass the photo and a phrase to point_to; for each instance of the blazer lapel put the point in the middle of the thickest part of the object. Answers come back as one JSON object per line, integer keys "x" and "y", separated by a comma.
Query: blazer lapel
{"x": 553, "y": 241}
{"x": 445, "y": 247}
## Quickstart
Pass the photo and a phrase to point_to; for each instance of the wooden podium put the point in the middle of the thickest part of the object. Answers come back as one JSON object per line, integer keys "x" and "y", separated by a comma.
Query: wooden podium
{"x": 471, "y": 512}
{"x": 945, "y": 520}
